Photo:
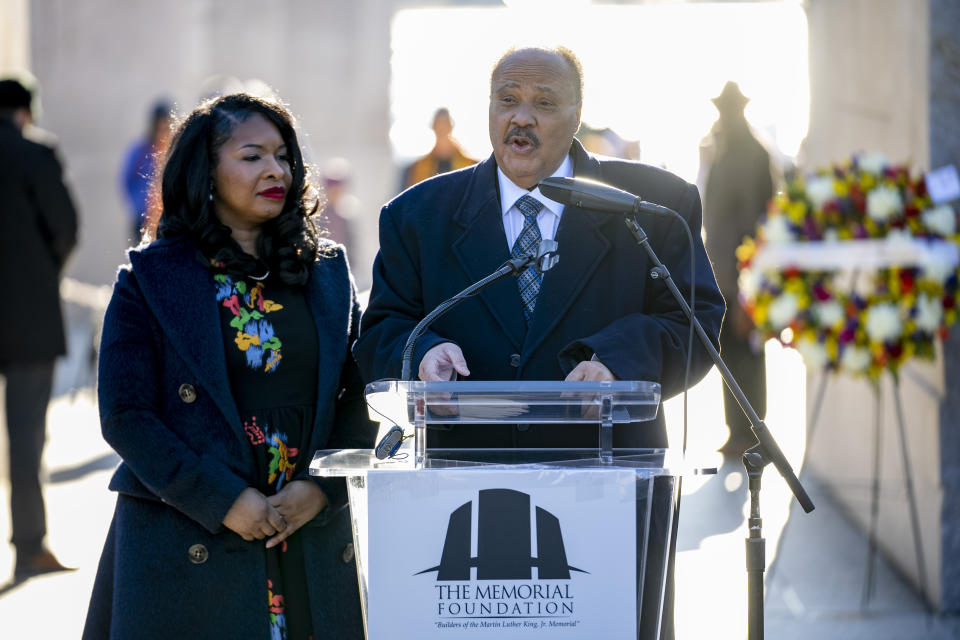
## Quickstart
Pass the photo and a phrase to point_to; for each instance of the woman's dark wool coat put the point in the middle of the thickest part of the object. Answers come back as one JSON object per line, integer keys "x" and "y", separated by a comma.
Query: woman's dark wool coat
{"x": 186, "y": 459}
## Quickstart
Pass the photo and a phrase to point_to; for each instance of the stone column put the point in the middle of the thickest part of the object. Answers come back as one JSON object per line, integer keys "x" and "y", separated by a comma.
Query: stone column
{"x": 14, "y": 36}
{"x": 945, "y": 149}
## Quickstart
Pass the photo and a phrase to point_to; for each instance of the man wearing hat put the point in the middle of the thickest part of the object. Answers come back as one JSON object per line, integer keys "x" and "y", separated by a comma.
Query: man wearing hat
{"x": 39, "y": 229}
{"x": 738, "y": 186}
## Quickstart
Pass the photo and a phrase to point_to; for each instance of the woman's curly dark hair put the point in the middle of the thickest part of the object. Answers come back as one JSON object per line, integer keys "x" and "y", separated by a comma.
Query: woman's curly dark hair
{"x": 288, "y": 244}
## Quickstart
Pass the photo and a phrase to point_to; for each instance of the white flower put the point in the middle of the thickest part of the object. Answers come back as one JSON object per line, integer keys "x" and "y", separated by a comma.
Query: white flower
{"x": 831, "y": 235}
{"x": 855, "y": 359}
{"x": 941, "y": 220}
{"x": 938, "y": 268}
{"x": 929, "y": 313}
{"x": 899, "y": 236}
{"x": 829, "y": 313}
{"x": 884, "y": 203}
{"x": 813, "y": 353}
{"x": 748, "y": 282}
{"x": 873, "y": 163}
{"x": 782, "y": 310}
{"x": 820, "y": 190}
{"x": 883, "y": 322}
{"x": 777, "y": 231}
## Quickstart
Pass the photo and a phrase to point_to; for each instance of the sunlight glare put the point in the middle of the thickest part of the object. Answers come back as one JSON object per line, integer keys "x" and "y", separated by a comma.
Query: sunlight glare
{"x": 649, "y": 71}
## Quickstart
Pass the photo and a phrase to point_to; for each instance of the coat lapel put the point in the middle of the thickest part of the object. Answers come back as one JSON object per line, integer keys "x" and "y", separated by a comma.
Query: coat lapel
{"x": 582, "y": 246}
{"x": 181, "y": 295}
{"x": 482, "y": 248}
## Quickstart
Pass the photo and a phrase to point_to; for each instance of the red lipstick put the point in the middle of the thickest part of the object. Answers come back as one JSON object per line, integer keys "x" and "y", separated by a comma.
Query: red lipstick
{"x": 274, "y": 193}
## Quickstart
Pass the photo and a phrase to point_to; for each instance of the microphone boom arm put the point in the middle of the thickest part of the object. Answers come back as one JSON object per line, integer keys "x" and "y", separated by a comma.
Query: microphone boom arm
{"x": 761, "y": 432}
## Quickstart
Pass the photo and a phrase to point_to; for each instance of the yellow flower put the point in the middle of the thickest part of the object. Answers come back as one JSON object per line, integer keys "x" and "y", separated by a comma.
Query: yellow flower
{"x": 781, "y": 201}
{"x": 746, "y": 251}
{"x": 795, "y": 285}
{"x": 930, "y": 287}
{"x": 796, "y": 211}
{"x": 760, "y": 315}
{"x": 832, "y": 348}
{"x": 909, "y": 350}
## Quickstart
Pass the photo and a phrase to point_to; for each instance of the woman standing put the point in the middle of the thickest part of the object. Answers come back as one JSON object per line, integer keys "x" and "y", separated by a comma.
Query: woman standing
{"x": 224, "y": 365}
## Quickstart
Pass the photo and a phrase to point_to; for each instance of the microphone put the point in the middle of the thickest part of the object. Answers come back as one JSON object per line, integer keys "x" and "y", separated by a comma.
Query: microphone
{"x": 597, "y": 196}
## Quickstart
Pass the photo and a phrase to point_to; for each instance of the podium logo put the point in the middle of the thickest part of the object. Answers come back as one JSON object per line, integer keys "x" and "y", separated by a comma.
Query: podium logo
{"x": 503, "y": 541}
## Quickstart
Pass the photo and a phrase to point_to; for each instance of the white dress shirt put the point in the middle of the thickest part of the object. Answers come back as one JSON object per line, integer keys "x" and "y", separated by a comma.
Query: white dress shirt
{"x": 549, "y": 217}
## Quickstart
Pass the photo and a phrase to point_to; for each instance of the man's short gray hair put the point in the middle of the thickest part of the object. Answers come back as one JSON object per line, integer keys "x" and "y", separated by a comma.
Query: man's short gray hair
{"x": 566, "y": 54}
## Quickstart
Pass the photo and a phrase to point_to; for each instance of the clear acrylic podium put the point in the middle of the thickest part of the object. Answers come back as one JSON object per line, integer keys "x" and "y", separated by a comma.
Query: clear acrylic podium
{"x": 647, "y": 476}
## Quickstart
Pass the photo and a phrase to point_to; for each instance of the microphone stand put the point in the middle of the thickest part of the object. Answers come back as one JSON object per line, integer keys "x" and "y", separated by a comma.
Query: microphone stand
{"x": 542, "y": 260}
{"x": 754, "y": 459}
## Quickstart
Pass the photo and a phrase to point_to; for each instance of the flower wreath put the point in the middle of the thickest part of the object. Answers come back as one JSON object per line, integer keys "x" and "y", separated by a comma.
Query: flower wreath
{"x": 861, "y": 323}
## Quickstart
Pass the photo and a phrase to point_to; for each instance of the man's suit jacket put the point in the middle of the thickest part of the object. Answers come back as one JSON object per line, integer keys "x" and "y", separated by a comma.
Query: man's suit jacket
{"x": 39, "y": 225}
{"x": 447, "y": 232}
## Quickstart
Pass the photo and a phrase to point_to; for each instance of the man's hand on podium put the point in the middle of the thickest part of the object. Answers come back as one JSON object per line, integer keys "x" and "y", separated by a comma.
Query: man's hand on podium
{"x": 442, "y": 363}
{"x": 590, "y": 371}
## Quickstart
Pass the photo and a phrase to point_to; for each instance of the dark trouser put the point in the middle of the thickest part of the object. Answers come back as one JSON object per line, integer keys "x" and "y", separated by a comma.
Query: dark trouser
{"x": 749, "y": 370}
{"x": 28, "y": 393}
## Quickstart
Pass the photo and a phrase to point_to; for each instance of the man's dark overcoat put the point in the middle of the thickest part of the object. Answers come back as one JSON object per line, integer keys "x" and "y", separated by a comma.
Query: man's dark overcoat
{"x": 39, "y": 231}
{"x": 186, "y": 459}
{"x": 443, "y": 234}
{"x": 738, "y": 188}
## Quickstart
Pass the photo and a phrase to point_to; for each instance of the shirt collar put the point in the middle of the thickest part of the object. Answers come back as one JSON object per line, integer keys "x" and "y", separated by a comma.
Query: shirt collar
{"x": 510, "y": 192}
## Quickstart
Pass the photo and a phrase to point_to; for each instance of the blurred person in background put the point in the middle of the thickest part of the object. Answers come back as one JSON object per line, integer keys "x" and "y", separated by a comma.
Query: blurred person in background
{"x": 607, "y": 142}
{"x": 39, "y": 232}
{"x": 446, "y": 155}
{"x": 340, "y": 206}
{"x": 738, "y": 184}
{"x": 211, "y": 389}
{"x": 139, "y": 167}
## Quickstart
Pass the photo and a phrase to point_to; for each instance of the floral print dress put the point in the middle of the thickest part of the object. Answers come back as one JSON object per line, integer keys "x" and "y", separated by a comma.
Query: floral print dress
{"x": 271, "y": 347}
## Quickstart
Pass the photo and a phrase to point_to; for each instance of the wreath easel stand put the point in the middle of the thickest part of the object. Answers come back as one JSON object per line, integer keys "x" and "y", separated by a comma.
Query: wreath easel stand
{"x": 869, "y": 585}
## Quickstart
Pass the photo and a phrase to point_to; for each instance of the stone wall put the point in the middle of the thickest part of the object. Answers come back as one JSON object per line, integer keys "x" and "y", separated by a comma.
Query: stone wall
{"x": 103, "y": 63}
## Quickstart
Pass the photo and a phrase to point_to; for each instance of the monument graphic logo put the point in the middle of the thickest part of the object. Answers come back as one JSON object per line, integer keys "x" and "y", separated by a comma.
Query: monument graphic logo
{"x": 504, "y": 545}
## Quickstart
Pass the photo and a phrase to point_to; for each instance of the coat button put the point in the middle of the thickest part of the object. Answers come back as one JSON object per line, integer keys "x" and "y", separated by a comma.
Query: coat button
{"x": 198, "y": 554}
{"x": 187, "y": 393}
{"x": 347, "y": 554}
{"x": 515, "y": 360}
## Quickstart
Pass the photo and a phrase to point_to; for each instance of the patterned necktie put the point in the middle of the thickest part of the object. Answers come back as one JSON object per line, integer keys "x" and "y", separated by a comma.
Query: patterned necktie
{"x": 528, "y": 241}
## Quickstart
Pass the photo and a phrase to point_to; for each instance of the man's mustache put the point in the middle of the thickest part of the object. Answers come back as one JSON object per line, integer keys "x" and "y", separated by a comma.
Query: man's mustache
{"x": 522, "y": 132}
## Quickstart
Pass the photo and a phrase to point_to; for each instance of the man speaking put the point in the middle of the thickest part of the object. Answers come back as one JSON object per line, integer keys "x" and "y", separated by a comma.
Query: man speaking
{"x": 595, "y": 316}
